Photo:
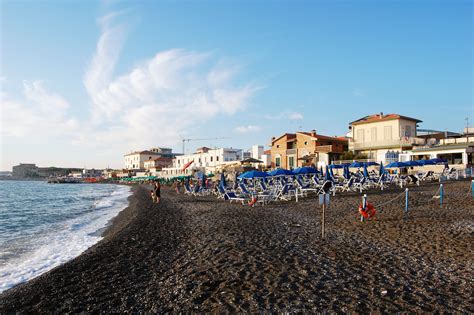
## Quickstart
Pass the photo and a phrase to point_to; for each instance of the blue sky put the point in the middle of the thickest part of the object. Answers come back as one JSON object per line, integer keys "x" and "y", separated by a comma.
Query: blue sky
{"x": 84, "y": 82}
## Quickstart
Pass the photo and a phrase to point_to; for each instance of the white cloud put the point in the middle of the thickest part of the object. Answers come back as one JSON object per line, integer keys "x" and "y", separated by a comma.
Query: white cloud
{"x": 248, "y": 129}
{"x": 286, "y": 115}
{"x": 157, "y": 100}
{"x": 38, "y": 113}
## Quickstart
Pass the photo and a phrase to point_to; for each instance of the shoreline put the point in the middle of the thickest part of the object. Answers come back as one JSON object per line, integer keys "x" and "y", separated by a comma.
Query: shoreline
{"x": 204, "y": 255}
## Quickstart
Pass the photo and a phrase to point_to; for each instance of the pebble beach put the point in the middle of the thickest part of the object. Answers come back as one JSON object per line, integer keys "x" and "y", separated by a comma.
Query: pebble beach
{"x": 199, "y": 254}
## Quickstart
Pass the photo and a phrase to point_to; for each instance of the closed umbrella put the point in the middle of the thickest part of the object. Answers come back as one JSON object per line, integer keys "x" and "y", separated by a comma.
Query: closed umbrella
{"x": 223, "y": 183}
{"x": 347, "y": 175}
{"x": 366, "y": 173}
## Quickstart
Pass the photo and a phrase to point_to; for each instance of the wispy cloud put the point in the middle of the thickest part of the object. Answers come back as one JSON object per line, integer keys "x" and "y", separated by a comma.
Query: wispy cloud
{"x": 39, "y": 112}
{"x": 248, "y": 129}
{"x": 151, "y": 104}
{"x": 286, "y": 115}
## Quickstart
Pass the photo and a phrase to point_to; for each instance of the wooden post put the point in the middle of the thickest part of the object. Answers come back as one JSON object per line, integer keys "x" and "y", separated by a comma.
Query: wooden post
{"x": 323, "y": 232}
{"x": 296, "y": 194}
{"x": 406, "y": 202}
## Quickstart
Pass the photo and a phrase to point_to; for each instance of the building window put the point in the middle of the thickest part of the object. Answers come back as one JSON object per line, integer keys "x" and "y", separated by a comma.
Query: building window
{"x": 306, "y": 143}
{"x": 217, "y": 158}
{"x": 387, "y": 133}
{"x": 278, "y": 161}
{"x": 408, "y": 131}
{"x": 291, "y": 162}
{"x": 278, "y": 145}
{"x": 373, "y": 134}
{"x": 211, "y": 158}
{"x": 360, "y": 135}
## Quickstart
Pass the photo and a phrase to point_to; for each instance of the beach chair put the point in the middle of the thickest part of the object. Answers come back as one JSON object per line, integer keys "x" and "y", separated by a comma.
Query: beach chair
{"x": 346, "y": 186}
{"x": 327, "y": 187}
{"x": 414, "y": 179}
{"x": 187, "y": 189}
{"x": 232, "y": 196}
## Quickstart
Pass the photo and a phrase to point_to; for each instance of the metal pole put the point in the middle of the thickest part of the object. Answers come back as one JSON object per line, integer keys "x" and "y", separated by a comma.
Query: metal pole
{"x": 406, "y": 201}
{"x": 324, "y": 217}
{"x": 472, "y": 188}
{"x": 296, "y": 194}
{"x": 441, "y": 195}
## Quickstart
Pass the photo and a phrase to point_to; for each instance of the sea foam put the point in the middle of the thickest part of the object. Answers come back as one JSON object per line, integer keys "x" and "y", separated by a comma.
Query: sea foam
{"x": 65, "y": 242}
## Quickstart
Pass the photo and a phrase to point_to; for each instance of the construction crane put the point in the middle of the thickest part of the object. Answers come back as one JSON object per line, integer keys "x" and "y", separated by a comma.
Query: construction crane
{"x": 201, "y": 139}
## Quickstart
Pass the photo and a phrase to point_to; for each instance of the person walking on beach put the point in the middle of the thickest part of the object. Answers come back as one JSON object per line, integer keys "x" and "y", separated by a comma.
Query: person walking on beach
{"x": 157, "y": 192}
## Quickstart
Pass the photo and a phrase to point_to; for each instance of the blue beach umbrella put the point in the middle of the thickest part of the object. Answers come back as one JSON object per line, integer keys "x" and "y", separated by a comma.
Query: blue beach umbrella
{"x": 280, "y": 172}
{"x": 396, "y": 164}
{"x": 427, "y": 162}
{"x": 381, "y": 170}
{"x": 252, "y": 174}
{"x": 366, "y": 173}
{"x": 336, "y": 166}
{"x": 305, "y": 170}
{"x": 356, "y": 164}
{"x": 413, "y": 163}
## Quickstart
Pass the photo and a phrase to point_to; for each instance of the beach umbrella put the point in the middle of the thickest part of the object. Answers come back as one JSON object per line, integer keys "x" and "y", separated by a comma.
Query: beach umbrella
{"x": 305, "y": 170}
{"x": 366, "y": 173}
{"x": 321, "y": 170}
{"x": 280, "y": 172}
{"x": 252, "y": 174}
{"x": 413, "y": 163}
{"x": 336, "y": 166}
{"x": 396, "y": 164}
{"x": 427, "y": 162}
{"x": 381, "y": 170}
{"x": 356, "y": 164}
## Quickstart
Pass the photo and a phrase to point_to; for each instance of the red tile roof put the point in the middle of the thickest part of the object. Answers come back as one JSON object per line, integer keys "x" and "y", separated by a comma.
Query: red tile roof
{"x": 381, "y": 117}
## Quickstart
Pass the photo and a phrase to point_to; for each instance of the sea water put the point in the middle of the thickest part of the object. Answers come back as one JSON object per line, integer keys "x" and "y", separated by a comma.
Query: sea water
{"x": 44, "y": 225}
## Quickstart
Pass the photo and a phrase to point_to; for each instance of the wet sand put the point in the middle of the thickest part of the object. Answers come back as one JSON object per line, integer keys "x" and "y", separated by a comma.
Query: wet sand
{"x": 201, "y": 255}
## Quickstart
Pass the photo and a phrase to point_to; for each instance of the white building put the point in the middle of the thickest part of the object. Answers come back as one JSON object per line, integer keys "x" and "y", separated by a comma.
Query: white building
{"x": 136, "y": 160}
{"x": 457, "y": 151}
{"x": 383, "y": 137}
{"x": 204, "y": 160}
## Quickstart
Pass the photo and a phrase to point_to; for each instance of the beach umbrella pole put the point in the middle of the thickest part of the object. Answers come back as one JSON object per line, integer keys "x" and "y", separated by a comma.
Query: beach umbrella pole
{"x": 406, "y": 203}
{"x": 441, "y": 195}
{"x": 364, "y": 206}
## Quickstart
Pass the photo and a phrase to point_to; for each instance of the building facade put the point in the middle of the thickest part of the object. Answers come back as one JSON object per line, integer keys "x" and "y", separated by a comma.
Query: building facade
{"x": 136, "y": 160}
{"x": 383, "y": 137}
{"x": 204, "y": 159}
{"x": 292, "y": 150}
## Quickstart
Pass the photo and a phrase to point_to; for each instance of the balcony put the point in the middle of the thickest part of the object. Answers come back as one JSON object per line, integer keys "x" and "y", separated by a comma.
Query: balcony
{"x": 388, "y": 144}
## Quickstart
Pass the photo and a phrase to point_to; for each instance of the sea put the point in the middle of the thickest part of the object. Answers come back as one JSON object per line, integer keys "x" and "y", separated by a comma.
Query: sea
{"x": 45, "y": 225}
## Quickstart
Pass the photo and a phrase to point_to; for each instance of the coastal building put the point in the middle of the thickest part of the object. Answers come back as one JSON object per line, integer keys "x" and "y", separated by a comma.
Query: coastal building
{"x": 457, "y": 151}
{"x": 25, "y": 170}
{"x": 267, "y": 158}
{"x": 157, "y": 164}
{"x": 136, "y": 160}
{"x": 383, "y": 137}
{"x": 292, "y": 150}
{"x": 204, "y": 159}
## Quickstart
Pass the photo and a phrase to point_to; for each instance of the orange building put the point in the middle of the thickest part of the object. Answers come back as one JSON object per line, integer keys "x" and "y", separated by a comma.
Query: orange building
{"x": 292, "y": 150}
